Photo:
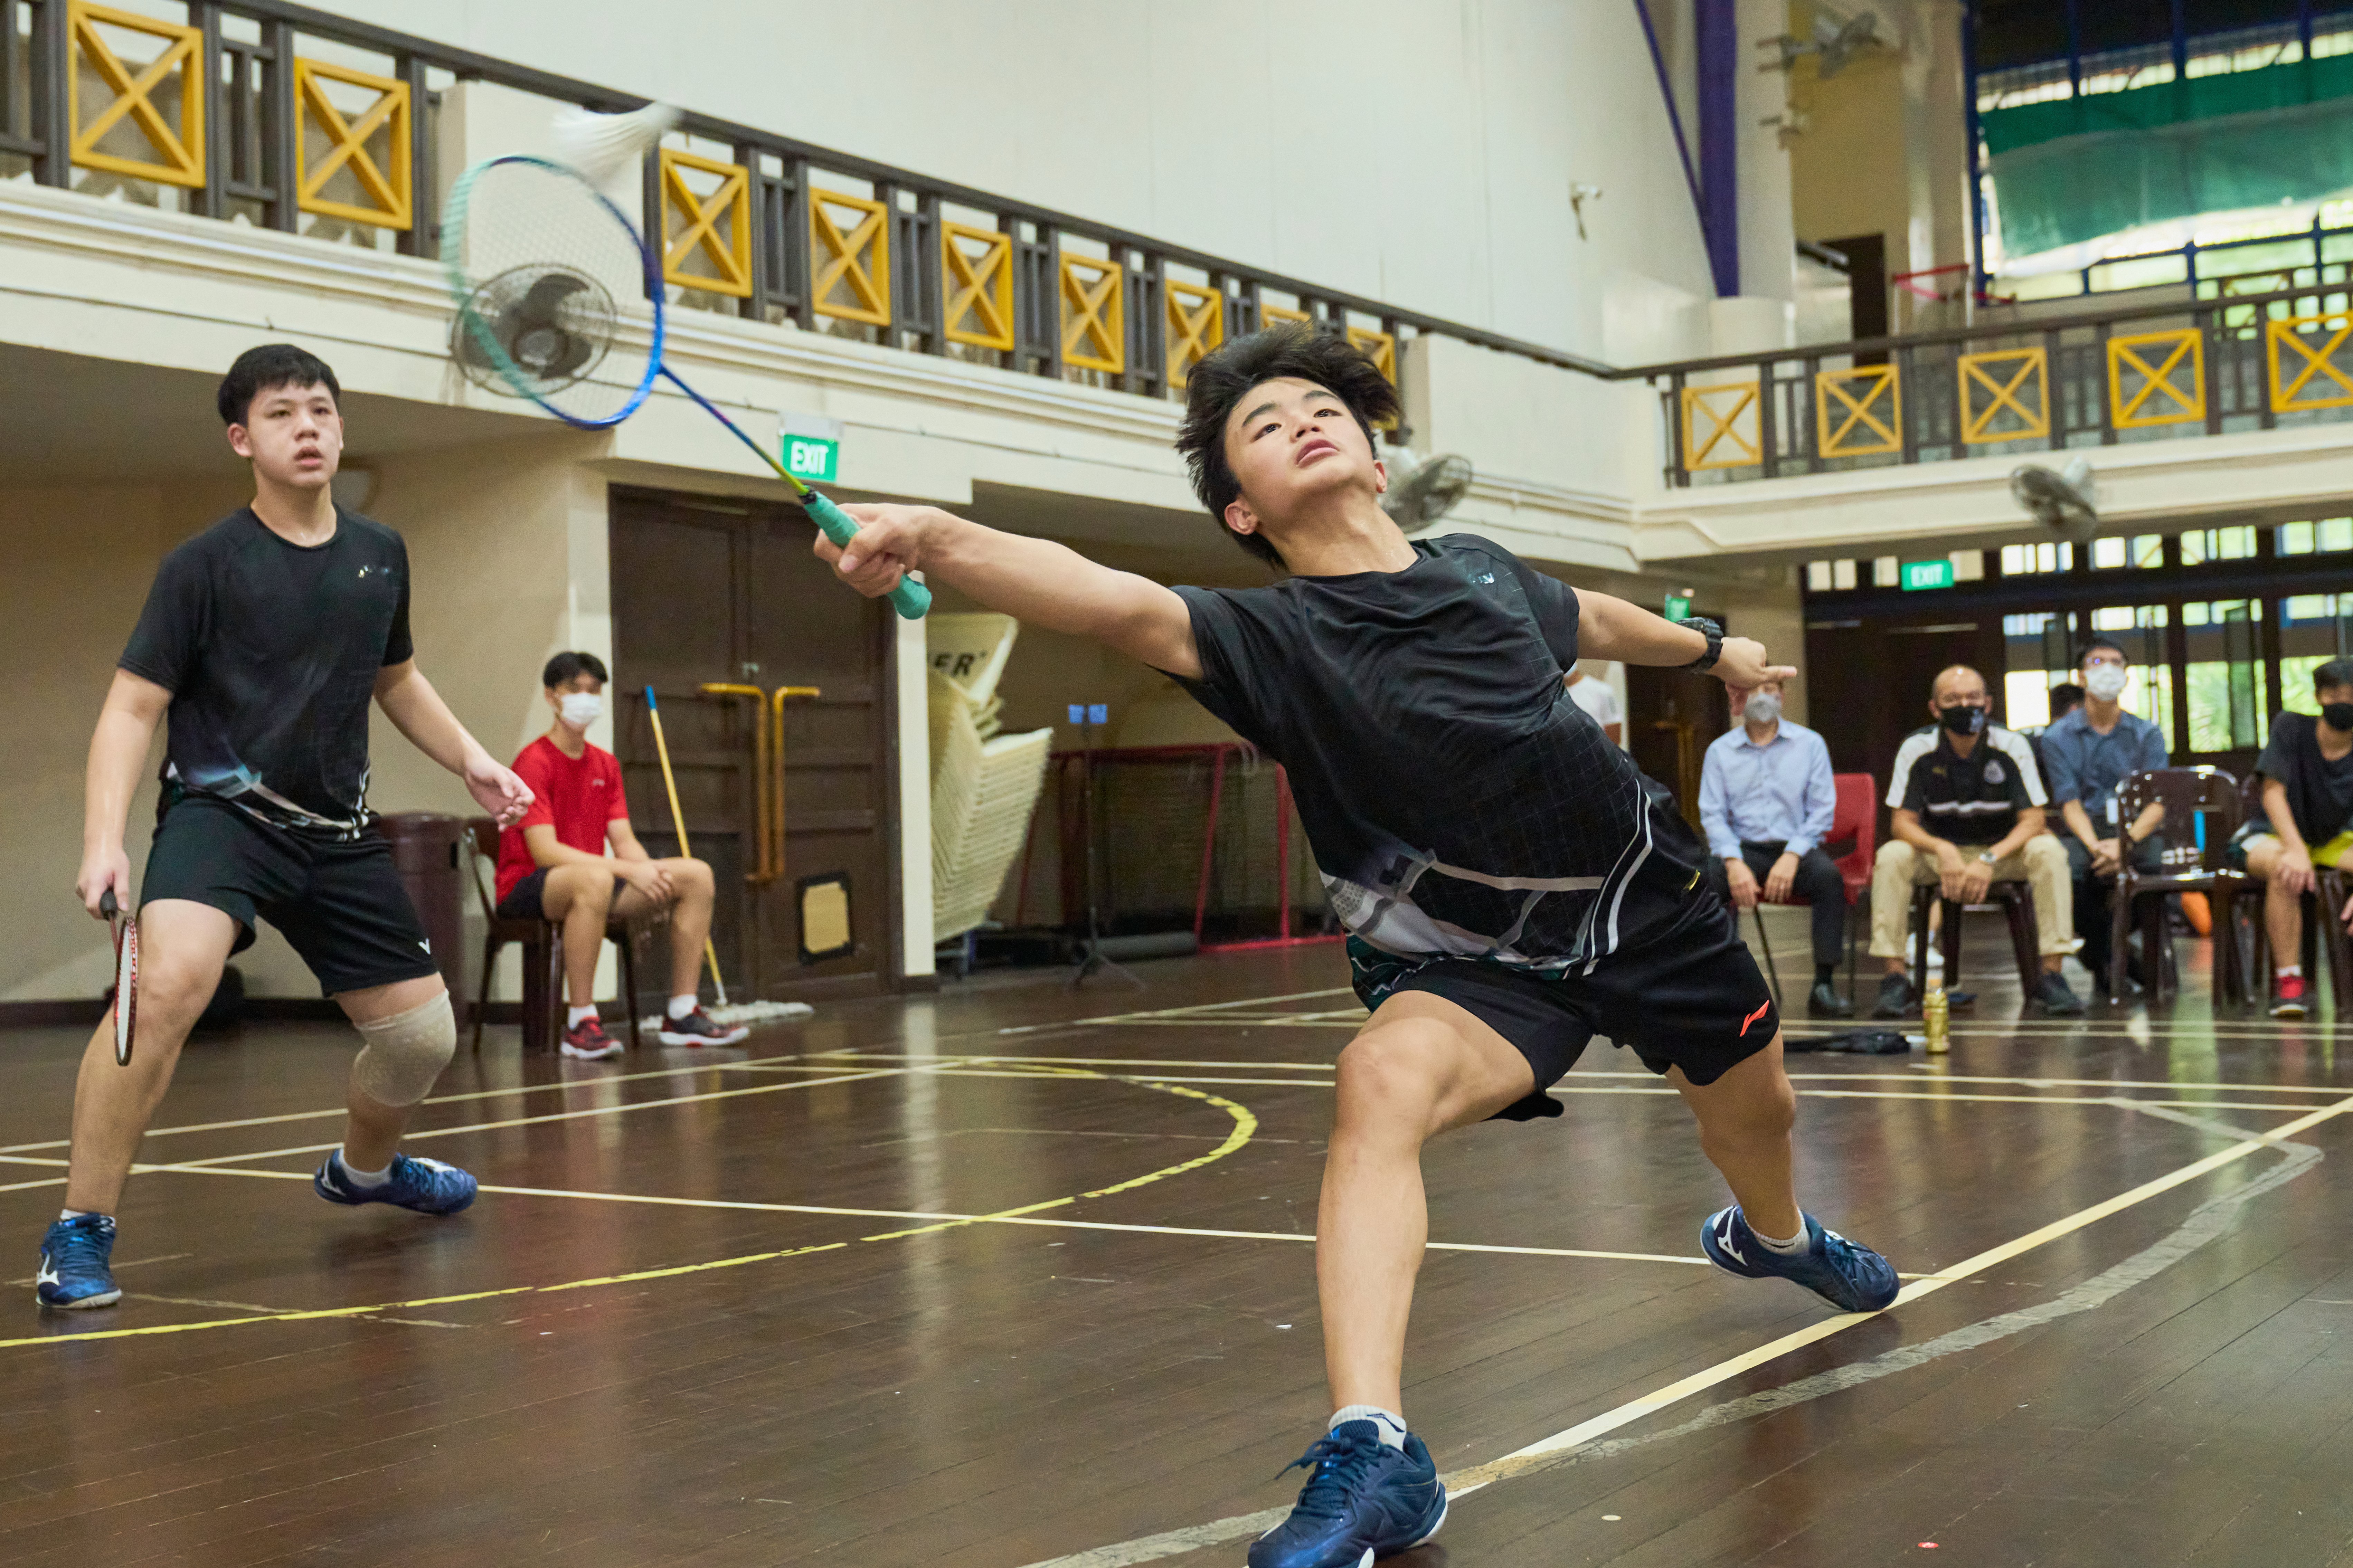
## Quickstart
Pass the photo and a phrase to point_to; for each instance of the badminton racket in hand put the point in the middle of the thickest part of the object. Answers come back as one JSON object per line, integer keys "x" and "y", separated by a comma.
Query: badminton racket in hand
{"x": 542, "y": 264}
{"x": 126, "y": 975}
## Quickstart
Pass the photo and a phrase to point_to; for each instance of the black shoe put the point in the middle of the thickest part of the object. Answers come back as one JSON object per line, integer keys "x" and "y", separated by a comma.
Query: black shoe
{"x": 1957, "y": 1000}
{"x": 1895, "y": 996}
{"x": 2057, "y": 1000}
{"x": 1825, "y": 1002}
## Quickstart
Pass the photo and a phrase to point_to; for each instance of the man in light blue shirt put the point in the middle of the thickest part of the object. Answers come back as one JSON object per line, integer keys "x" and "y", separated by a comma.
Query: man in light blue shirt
{"x": 2088, "y": 754}
{"x": 1766, "y": 801}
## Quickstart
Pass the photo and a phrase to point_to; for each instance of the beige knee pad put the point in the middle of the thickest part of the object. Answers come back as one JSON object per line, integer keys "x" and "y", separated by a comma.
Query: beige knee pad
{"x": 406, "y": 1053}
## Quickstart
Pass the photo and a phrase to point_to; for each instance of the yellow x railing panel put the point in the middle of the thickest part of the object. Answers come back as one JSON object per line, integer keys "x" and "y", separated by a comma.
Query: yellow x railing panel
{"x": 387, "y": 185}
{"x": 2002, "y": 375}
{"x": 2288, "y": 394}
{"x": 2172, "y": 363}
{"x": 179, "y": 157}
{"x": 1869, "y": 418}
{"x": 1274, "y": 315}
{"x": 1094, "y": 320}
{"x": 1722, "y": 407}
{"x": 978, "y": 266}
{"x": 715, "y": 229}
{"x": 1196, "y": 323}
{"x": 857, "y": 263}
{"x": 1378, "y": 347}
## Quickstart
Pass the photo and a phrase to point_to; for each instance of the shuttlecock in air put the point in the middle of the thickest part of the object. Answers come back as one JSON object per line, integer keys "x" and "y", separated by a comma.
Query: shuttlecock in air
{"x": 601, "y": 146}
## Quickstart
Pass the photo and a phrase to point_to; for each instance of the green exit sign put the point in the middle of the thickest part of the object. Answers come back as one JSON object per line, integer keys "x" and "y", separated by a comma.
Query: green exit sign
{"x": 1678, "y": 606}
{"x": 1927, "y": 574}
{"x": 811, "y": 445}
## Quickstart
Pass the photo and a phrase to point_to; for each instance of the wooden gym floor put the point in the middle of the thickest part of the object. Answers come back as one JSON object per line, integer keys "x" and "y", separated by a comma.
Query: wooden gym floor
{"x": 1017, "y": 1276}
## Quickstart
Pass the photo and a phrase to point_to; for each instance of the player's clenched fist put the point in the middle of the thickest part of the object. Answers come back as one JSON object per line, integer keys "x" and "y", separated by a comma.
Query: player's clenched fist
{"x": 888, "y": 545}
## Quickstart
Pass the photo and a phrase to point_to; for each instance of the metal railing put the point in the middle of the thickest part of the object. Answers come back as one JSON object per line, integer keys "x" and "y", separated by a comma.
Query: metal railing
{"x": 228, "y": 109}
{"x": 2146, "y": 373}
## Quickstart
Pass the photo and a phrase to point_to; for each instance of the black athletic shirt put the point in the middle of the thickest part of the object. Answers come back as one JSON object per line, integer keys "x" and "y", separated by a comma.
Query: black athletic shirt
{"x": 1458, "y": 799}
{"x": 1974, "y": 799}
{"x": 271, "y": 651}
{"x": 2320, "y": 792}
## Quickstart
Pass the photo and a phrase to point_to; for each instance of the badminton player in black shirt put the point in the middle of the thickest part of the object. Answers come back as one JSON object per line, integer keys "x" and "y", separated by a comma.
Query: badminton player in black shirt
{"x": 1512, "y": 884}
{"x": 264, "y": 638}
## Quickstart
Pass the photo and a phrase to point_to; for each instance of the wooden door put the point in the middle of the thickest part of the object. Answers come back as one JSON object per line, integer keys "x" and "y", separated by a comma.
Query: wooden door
{"x": 712, "y": 591}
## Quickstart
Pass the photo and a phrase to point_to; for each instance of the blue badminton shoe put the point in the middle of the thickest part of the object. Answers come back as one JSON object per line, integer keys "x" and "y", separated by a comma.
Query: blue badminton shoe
{"x": 1851, "y": 1278}
{"x": 74, "y": 1272}
{"x": 428, "y": 1186}
{"x": 1363, "y": 1499}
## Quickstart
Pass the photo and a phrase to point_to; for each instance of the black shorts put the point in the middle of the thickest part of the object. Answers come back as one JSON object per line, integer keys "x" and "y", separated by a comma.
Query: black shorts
{"x": 343, "y": 906}
{"x": 1694, "y": 999}
{"x": 527, "y": 899}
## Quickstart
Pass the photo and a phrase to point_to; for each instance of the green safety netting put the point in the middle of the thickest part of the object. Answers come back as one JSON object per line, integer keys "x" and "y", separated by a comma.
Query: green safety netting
{"x": 2073, "y": 170}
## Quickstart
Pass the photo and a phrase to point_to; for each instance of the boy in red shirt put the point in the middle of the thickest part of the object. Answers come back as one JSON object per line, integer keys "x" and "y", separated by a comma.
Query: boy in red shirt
{"x": 552, "y": 866}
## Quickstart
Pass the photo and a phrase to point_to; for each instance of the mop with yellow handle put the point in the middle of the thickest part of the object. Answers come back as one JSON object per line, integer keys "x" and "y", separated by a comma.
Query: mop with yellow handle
{"x": 725, "y": 1012}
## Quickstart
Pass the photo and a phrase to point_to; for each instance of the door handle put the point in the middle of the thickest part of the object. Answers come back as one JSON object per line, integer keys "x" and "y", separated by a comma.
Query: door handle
{"x": 763, "y": 871}
{"x": 772, "y": 813}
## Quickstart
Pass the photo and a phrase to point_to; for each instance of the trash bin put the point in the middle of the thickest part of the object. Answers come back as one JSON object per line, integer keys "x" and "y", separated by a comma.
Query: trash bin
{"x": 425, "y": 847}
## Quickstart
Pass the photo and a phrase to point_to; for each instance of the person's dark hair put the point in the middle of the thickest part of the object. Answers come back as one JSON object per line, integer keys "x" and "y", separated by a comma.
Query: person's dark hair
{"x": 2095, "y": 645}
{"x": 2065, "y": 696}
{"x": 272, "y": 364}
{"x": 1216, "y": 386}
{"x": 567, "y": 668}
{"x": 2336, "y": 672}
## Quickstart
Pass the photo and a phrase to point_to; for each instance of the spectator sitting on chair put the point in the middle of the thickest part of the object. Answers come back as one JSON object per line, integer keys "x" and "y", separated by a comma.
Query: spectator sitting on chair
{"x": 1967, "y": 812}
{"x": 1599, "y": 697}
{"x": 1766, "y": 802}
{"x": 2065, "y": 698}
{"x": 2308, "y": 802}
{"x": 552, "y": 866}
{"x": 2086, "y": 756}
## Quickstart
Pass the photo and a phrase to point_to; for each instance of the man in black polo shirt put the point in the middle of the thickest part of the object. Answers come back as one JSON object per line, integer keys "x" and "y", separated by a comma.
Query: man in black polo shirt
{"x": 1967, "y": 805}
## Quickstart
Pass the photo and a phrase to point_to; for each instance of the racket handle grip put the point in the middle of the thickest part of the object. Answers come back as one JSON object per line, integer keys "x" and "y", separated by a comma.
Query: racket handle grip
{"x": 106, "y": 905}
{"x": 910, "y": 598}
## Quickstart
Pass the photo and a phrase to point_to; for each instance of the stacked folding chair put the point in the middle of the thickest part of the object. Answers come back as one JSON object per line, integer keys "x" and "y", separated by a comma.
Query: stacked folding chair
{"x": 984, "y": 784}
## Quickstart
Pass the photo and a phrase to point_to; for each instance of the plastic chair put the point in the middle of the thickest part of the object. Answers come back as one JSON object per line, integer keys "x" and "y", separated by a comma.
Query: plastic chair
{"x": 2183, "y": 867}
{"x": 1854, "y": 819}
{"x": 542, "y": 953}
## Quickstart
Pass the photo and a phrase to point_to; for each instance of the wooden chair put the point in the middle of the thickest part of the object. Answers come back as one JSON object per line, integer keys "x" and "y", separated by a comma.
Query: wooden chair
{"x": 542, "y": 952}
{"x": 2183, "y": 867}
{"x": 2025, "y": 940}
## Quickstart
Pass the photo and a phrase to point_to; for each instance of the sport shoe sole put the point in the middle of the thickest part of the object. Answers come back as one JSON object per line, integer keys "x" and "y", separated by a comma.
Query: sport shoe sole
{"x": 724, "y": 1037}
{"x": 603, "y": 1053}
{"x": 103, "y": 1299}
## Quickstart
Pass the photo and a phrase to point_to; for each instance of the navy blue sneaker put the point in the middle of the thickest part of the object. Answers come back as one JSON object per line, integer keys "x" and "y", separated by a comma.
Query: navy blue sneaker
{"x": 428, "y": 1186}
{"x": 1363, "y": 1499}
{"x": 1852, "y": 1278}
{"x": 73, "y": 1263}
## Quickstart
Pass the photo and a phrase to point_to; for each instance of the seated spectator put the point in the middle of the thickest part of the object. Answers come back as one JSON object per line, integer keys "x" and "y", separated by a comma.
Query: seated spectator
{"x": 1766, "y": 801}
{"x": 1968, "y": 806}
{"x": 2307, "y": 800}
{"x": 1599, "y": 697}
{"x": 2086, "y": 756}
{"x": 552, "y": 866}
{"x": 2065, "y": 698}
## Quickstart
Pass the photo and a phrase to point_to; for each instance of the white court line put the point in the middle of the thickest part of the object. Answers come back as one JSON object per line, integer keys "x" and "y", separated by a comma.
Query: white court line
{"x": 1462, "y": 1483}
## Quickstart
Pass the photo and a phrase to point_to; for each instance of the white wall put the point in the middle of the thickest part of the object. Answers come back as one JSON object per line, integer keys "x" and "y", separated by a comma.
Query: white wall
{"x": 1417, "y": 151}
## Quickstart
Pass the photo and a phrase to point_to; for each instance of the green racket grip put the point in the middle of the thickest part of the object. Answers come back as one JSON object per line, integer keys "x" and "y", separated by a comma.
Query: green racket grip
{"x": 910, "y": 598}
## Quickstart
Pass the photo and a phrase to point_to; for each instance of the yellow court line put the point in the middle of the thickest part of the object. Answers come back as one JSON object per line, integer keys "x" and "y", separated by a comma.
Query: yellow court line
{"x": 1674, "y": 1393}
{"x": 1245, "y": 1125}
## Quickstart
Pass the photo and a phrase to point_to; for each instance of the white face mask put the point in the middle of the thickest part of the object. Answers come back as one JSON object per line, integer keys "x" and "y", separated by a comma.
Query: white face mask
{"x": 580, "y": 709}
{"x": 2106, "y": 681}
{"x": 1762, "y": 707}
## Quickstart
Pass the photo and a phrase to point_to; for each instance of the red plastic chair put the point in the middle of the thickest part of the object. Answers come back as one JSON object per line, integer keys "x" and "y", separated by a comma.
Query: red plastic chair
{"x": 1855, "y": 817}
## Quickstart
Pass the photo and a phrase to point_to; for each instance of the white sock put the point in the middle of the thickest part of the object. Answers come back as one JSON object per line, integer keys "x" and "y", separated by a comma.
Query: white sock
{"x": 360, "y": 1178}
{"x": 680, "y": 1007}
{"x": 2290, "y": 970}
{"x": 1387, "y": 1422}
{"x": 1795, "y": 1243}
{"x": 71, "y": 1213}
{"x": 580, "y": 1014}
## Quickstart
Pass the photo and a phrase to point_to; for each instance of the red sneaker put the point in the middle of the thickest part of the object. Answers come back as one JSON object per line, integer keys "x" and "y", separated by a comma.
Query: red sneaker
{"x": 588, "y": 1041}
{"x": 2288, "y": 996}
{"x": 700, "y": 1028}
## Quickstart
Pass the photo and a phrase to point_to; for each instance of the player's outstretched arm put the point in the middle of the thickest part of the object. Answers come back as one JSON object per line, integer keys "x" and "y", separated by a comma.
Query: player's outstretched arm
{"x": 118, "y": 755}
{"x": 1032, "y": 579}
{"x": 1609, "y": 628}
{"x": 418, "y": 712}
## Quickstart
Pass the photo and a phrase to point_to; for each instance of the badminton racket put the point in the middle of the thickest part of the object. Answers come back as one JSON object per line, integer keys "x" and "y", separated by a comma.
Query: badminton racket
{"x": 541, "y": 264}
{"x": 126, "y": 975}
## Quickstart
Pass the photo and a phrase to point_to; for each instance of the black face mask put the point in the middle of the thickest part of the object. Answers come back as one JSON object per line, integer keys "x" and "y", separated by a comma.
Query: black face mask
{"x": 2338, "y": 716}
{"x": 1963, "y": 720}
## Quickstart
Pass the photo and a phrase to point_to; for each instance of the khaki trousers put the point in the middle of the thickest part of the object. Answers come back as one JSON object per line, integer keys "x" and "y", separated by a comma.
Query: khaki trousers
{"x": 2041, "y": 865}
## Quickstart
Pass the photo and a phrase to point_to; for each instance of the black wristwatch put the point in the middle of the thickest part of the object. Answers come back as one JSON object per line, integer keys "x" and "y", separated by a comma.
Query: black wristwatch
{"x": 1714, "y": 635}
